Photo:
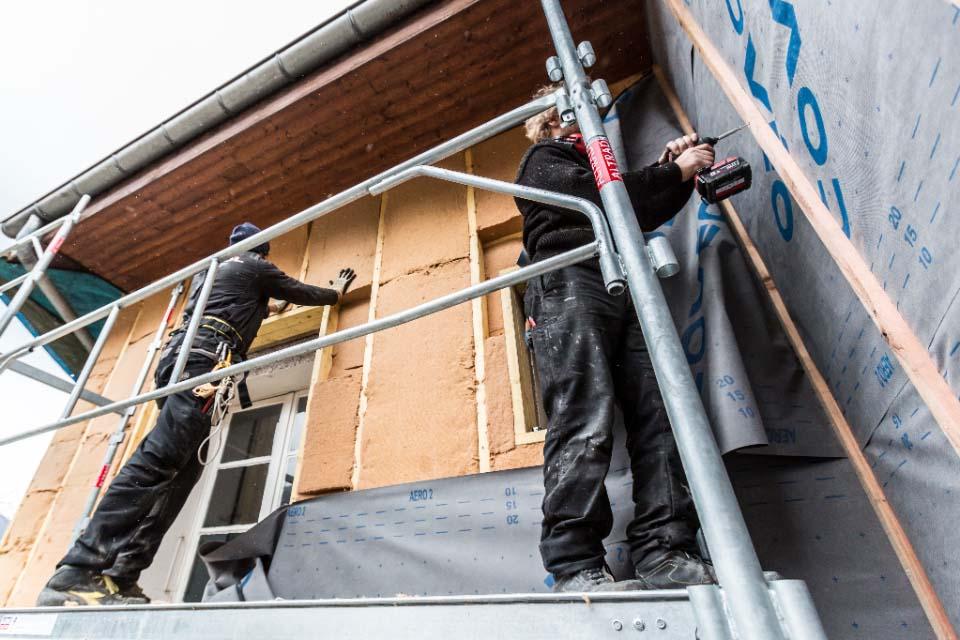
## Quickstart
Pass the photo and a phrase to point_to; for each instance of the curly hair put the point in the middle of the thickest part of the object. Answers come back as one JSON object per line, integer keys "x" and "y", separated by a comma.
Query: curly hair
{"x": 537, "y": 128}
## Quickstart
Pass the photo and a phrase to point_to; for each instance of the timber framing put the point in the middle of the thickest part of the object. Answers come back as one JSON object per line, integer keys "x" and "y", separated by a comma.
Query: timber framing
{"x": 478, "y": 308}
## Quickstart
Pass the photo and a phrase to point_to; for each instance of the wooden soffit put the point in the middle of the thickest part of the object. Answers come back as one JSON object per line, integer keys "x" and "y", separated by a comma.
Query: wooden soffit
{"x": 448, "y": 68}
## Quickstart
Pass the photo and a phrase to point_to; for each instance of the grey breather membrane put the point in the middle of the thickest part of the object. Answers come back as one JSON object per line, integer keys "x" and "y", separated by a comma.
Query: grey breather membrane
{"x": 866, "y": 99}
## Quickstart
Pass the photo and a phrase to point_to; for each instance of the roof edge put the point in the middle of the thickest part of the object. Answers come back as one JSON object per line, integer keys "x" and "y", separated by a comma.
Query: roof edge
{"x": 342, "y": 32}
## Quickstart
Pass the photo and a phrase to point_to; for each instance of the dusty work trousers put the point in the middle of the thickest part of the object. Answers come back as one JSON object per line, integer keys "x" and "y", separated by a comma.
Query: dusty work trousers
{"x": 591, "y": 357}
{"x": 142, "y": 502}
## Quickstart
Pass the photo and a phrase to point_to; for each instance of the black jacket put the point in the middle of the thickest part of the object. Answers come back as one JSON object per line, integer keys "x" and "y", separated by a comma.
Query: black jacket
{"x": 657, "y": 193}
{"x": 243, "y": 286}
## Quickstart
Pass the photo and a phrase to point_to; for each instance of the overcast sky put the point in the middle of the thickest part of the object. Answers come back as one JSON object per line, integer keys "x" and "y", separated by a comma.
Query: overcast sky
{"x": 80, "y": 78}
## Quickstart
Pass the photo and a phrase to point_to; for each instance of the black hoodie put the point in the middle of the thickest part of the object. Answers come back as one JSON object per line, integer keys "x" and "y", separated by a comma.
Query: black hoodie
{"x": 657, "y": 192}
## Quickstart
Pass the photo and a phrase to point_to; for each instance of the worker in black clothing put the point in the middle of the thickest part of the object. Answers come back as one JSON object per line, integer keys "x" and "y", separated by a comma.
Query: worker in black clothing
{"x": 123, "y": 535}
{"x": 591, "y": 356}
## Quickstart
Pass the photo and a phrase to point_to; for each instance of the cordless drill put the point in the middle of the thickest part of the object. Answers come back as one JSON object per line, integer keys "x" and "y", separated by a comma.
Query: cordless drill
{"x": 726, "y": 177}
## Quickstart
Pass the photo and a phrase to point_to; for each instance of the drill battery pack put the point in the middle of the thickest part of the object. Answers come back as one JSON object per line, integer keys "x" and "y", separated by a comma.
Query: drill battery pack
{"x": 724, "y": 179}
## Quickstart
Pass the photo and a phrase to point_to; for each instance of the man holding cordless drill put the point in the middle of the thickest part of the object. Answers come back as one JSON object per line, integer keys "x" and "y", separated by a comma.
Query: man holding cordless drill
{"x": 591, "y": 357}
{"x": 141, "y": 503}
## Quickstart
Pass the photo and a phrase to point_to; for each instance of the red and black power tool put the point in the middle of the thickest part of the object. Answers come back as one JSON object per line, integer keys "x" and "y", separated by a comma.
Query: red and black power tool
{"x": 726, "y": 177}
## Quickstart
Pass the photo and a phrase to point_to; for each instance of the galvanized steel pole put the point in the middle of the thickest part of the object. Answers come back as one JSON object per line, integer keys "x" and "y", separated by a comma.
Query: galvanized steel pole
{"x": 118, "y": 435}
{"x": 81, "y": 382}
{"x": 44, "y": 261}
{"x": 194, "y": 325}
{"x": 14, "y": 283}
{"x": 729, "y": 541}
{"x": 55, "y": 382}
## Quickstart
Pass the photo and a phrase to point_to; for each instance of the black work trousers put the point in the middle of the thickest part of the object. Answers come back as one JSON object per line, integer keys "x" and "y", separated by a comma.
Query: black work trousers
{"x": 142, "y": 502}
{"x": 591, "y": 357}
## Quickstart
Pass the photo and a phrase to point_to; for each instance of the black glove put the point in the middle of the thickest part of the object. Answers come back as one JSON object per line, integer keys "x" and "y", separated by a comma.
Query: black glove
{"x": 344, "y": 278}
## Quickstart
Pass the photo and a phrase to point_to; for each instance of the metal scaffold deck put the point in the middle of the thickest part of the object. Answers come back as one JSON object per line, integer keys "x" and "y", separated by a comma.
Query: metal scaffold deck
{"x": 664, "y": 615}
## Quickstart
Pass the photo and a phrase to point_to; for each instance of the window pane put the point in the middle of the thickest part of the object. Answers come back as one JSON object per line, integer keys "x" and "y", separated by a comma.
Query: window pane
{"x": 298, "y": 419}
{"x": 198, "y": 572}
{"x": 237, "y": 496}
{"x": 251, "y": 433}
{"x": 287, "y": 480}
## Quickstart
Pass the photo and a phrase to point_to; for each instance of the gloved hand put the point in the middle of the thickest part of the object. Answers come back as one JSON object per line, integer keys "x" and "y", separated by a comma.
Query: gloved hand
{"x": 343, "y": 280}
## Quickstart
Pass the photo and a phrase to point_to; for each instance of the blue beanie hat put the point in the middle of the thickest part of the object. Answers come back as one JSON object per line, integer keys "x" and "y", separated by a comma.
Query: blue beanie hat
{"x": 243, "y": 231}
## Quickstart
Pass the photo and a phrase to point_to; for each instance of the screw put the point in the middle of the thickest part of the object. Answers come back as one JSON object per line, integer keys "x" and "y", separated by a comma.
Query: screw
{"x": 617, "y": 625}
{"x": 661, "y": 624}
{"x": 638, "y": 624}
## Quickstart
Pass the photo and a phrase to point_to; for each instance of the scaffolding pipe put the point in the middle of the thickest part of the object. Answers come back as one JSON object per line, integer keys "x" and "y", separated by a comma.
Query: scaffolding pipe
{"x": 11, "y": 249}
{"x": 81, "y": 382}
{"x": 735, "y": 559}
{"x": 194, "y": 326}
{"x": 457, "y": 144}
{"x": 54, "y": 382}
{"x": 41, "y": 267}
{"x": 118, "y": 435}
{"x": 14, "y": 283}
{"x": 28, "y": 258}
{"x": 609, "y": 264}
{"x": 568, "y": 258}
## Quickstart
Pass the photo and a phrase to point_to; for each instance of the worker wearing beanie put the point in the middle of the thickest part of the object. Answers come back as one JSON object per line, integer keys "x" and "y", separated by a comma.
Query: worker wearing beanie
{"x": 141, "y": 503}
{"x": 591, "y": 357}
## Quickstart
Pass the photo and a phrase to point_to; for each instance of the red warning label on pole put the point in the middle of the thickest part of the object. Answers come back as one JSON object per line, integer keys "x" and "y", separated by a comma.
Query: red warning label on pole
{"x": 56, "y": 244}
{"x": 102, "y": 476}
{"x": 603, "y": 161}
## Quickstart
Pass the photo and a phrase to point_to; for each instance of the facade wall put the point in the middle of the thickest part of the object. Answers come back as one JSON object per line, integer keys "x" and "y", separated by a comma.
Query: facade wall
{"x": 426, "y": 400}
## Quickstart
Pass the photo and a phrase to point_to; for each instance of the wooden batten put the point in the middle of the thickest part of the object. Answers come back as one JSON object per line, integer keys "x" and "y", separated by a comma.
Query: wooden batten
{"x": 518, "y": 368}
{"x": 368, "y": 345}
{"x": 894, "y": 530}
{"x": 480, "y": 331}
{"x": 289, "y": 325}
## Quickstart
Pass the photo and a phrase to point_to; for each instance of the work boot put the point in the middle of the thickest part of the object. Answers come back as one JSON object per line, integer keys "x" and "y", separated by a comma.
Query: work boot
{"x": 77, "y": 587}
{"x": 130, "y": 590}
{"x": 673, "y": 570}
{"x": 595, "y": 579}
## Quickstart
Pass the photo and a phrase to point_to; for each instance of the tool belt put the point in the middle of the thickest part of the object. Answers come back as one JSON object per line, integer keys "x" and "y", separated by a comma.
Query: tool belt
{"x": 209, "y": 389}
{"x": 224, "y": 329}
{"x": 227, "y": 352}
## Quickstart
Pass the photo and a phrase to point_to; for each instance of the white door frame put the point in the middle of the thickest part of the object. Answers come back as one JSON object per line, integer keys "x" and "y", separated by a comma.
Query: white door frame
{"x": 271, "y": 491}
